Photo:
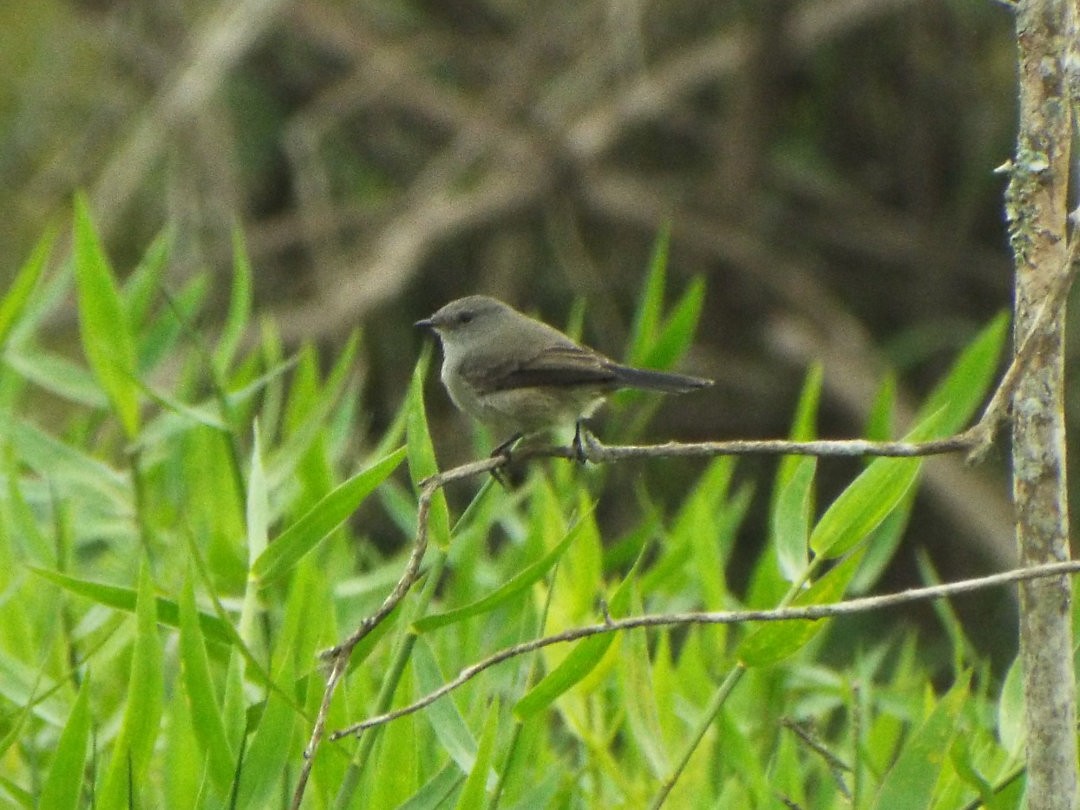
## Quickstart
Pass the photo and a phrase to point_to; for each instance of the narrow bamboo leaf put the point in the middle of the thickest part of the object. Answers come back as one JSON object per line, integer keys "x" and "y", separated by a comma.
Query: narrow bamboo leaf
{"x": 679, "y": 329}
{"x": 421, "y": 452}
{"x": 39, "y": 548}
{"x": 582, "y": 660}
{"x": 239, "y": 314}
{"x": 775, "y": 641}
{"x": 962, "y": 758}
{"x": 804, "y": 423}
{"x": 168, "y": 612}
{"x": 323, "y": 518}
{"x": 879, "y": 422}
{"x": 207, "y": 417}
{"x": 106, "y": 335}
{"x": 273, "y": 746}
{"x": 437, "y": 791}
{"x": 879, "y": 489}
{"x": 446, "y": 721}
{"x": 475, "y": 790}
{"x": 700, "y": 527}
{"x": 861, "y": 507}
{"x": 21, "y": 796}
{"x": 966, "y": 384}
{"x": 909, "y": 784}
{"x": 650, "y": 308}
{"x": 803, "y": 428}
{"x": 639, "y": 698}
{"x": 158, "y": 338}
{"x": 57, "y": 375}
{"x": 394, "y": 434}
{"x": 258, "y": 502}
{"x": 303, "y": 390}
{"x": 143, "y": 284}
{"x": 1010, "y": 710}
{"x": 791, "y": 520}
{"x": 504, "y": 593}
{"x": 172, "y": 422}
{"x": 882, "y": 544}
{"x": 283, "y": 462}
{"x": 133, "y": 748}
{"x": 63, "y": 464}
{"x": 26, "y": 281}
{"x": 63, "y": 784}
{"x": 206, "y": 716}
{"x": 257, "y": 522}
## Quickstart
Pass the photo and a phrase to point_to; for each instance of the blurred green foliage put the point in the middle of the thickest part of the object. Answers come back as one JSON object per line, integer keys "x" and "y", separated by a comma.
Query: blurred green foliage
{"x": 207, "y": 514}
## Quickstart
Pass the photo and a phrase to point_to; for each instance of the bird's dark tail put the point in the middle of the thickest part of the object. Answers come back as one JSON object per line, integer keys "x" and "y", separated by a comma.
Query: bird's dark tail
{"x": 664, "y": 381}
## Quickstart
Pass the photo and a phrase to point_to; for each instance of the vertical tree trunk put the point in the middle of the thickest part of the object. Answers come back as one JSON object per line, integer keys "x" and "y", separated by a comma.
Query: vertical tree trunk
{"x": 1037, "y": 207}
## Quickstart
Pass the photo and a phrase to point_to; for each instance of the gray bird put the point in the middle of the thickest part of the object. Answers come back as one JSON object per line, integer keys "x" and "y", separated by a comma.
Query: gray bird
{"x": 519, "y": 376}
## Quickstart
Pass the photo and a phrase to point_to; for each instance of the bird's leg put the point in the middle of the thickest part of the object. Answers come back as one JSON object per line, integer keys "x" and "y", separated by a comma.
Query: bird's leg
{"x": 578, "y": 443}
{"x": 504, "y": 448}
{"x": 503, "y": 451}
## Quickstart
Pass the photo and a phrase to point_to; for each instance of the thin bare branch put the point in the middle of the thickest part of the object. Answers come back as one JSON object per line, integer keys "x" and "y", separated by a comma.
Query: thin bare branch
{"x": 808, "y": 612}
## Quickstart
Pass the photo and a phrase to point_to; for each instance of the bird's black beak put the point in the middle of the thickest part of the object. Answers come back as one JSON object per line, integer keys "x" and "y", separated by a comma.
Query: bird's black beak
{"x": 426, "y": 323}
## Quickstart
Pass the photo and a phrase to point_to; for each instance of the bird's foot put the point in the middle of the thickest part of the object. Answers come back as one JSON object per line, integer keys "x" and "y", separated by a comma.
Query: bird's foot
{"x": 580, "y": 431}
{"x": 504, "y": 451}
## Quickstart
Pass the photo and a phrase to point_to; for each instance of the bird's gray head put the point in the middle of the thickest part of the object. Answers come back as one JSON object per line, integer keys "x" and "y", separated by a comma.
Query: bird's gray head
{"x": 474, "y": 314}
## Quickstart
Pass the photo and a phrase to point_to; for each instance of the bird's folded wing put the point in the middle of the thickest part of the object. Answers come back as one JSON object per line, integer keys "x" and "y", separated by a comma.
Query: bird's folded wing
{"x": 553, "y": 366}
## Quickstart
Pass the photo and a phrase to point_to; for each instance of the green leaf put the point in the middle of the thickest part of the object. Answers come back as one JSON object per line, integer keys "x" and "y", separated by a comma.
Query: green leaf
{"x": 323, "y": 518}
{"x": 60, "y": 462}
{"x": 967, "y": 382}
{"x": 879, "y": 422}
{"x": 504, "y": 593}
{"x": 272, "y": 747}
{"x": 106, "y": 334}
{"x": 581, "y": 660}
{"x": 679, "y": 329}
{"x": 134, "y": 747}
{"x": 63, "y": 783}
{"x": 206, "y": 717}
{"x": 650, "y": 308}
{"x": 258, "y": 502}
{"x": 286, "y": 458}
{"x": 446, "y": 721}
{"x": 870, "y": 498}
{"x": 57, "y": 375}
{"x": 19, "y": 795}
{"x": 437, "y": 791}
{"x": 1011, "y": 727}
{"x": 639, "y": 696}
{"x": 421, "y": 452}
{"x": 239, "y": 314}
{"x": 26, "y": 281}
{"x": 113, "y": 596}
{"x": 160, "y": 335}
{"x": 145, "y": 280}
{"x": 910, "y": 782}
{"x": 205, "y": 416}
{"x": 775, "y": 641}
{"x": 475, "y": 790}
{"x": 206, "y": 412}
{"x": 962, "y": 759}
{"x": 803, "y": 428}
{"x": 791, "y": 520}
{"x": 257, "y": 522}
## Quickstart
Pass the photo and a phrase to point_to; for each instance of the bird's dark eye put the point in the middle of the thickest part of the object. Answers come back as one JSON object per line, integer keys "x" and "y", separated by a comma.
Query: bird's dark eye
{"x": 465, "y": 317}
